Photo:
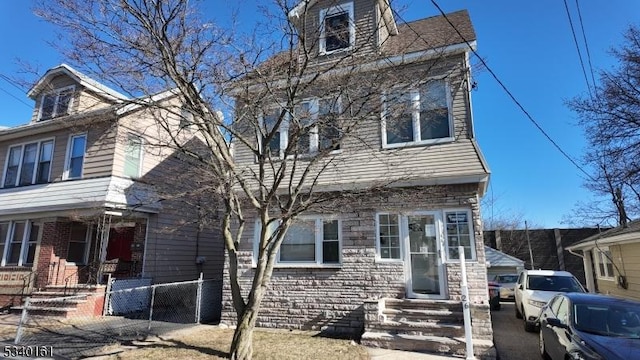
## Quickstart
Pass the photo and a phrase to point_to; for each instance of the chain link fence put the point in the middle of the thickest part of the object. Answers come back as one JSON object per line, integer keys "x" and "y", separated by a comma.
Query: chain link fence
{"x": 96, "y": 321}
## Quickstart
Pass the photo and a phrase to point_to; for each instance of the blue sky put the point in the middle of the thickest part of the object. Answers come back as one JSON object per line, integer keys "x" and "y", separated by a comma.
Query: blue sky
{"x": 528, "y": 44}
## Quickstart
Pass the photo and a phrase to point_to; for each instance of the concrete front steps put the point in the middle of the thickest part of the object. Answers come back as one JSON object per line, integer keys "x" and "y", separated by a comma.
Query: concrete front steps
{"x": 431, "y": 326}
{"x": 67, "y": 302}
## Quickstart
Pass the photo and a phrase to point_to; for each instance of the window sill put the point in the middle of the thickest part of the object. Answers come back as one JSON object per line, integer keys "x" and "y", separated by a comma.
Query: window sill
{"x": 323, "y": 52}
{"x": 419, "y": 143}
{"x": 389, "y": 261}
{"x": 304, "y": 266}
{"x": 457, "y": 261}
{"x": 606, "y": 278}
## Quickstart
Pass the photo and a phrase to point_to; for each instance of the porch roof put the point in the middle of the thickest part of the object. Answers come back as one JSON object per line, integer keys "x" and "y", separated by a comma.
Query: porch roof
{"x": 97, "y": 193}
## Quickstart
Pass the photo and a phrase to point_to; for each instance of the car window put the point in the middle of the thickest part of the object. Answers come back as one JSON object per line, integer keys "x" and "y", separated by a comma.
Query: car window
{"x": 520, "y": 278}
{"x": 506, "y": 279}
{"x": 619, "y": 320}
{"x": 563, "y": 312}
{"x": 554, "y": 304}
{"x": 554, "y": 283}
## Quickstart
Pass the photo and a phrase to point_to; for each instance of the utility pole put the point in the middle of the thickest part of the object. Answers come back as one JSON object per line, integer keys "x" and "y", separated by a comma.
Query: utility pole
{"x": 526, "y": 232}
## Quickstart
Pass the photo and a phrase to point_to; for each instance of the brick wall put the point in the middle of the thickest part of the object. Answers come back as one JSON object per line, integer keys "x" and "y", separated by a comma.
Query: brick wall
{"x": 332, "y": 299}
{"x": 53, "y": 249}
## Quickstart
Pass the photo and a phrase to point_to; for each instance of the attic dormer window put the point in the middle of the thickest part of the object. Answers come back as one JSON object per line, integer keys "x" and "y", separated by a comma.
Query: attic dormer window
{"x": 338, "y": 28}
{"x": 56, "y": 103}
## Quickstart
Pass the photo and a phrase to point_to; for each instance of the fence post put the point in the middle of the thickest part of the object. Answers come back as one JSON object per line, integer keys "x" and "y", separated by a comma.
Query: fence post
{"x": 23, "y": 320}
{"x": 199, "y": 299}
{"x": 107, "y": 296}
{"x": 153, "y": 297}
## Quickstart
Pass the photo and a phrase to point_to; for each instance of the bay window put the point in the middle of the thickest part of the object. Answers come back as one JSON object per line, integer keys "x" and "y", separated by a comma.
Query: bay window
{"x": 417, "y": 115}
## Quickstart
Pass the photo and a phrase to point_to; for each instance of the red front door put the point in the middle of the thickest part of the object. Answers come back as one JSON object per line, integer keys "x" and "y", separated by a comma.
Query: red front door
{"x": 120, "y": 240}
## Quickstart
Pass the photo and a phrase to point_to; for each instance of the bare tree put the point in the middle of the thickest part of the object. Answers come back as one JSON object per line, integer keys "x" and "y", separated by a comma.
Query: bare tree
{"x": 147, "y": 46}
{"x": 610, "y": 121}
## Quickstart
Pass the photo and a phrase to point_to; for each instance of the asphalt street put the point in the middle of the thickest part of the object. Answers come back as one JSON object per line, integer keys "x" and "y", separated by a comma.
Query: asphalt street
{"x": 510, "y": 339}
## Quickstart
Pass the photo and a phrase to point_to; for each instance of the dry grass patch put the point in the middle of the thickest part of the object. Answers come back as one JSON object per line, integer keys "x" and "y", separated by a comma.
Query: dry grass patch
{"x": 207, "y": 342}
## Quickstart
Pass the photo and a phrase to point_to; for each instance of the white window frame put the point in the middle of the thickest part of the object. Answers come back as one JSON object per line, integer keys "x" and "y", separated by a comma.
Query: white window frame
{"x": 414, "y": 94}
{"x": 379, "y": 257}
{"x": 87, "y": 246}
{"x": 24, "y": 243}
{"x": 601, "y": 259}
{"x": 319, "y": 240}
{"x": 314, "y": 134}
{"x": 472, "y": 240}
{"x": 140, "y": 155}
{"x": 56, "y": 101}
{"x": 67, "y": 160}
{"x": 22, "y": 147}
{"x": 441, "y": 225}
{"x": 335, "y": 10}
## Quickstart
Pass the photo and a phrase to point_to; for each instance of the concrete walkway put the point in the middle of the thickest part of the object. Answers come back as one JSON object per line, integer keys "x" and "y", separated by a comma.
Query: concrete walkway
{"x": 385, "y": 354}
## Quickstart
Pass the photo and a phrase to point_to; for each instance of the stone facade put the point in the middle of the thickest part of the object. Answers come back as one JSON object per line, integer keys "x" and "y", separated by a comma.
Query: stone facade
{"x": 331, "y": 299}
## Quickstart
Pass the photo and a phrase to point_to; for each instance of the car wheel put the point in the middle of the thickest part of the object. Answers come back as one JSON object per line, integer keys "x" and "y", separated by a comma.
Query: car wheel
{"x": 543, "y": 348}
{"x": 529, "y": 326}
{"x": 518, "y": 314}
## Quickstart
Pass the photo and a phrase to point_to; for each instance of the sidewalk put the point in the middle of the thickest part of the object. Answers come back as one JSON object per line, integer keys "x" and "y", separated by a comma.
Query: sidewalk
{"x": 386, "y": 354}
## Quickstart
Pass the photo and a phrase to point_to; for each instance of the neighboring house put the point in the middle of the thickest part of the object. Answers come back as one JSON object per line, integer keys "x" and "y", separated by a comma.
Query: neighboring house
{"x": 79, "y": 188}
{"x": 548, "y": 247}
{"x": 612, "y": 260}
{"x": 501, "y": 263}
{"x": 383, "y": 264}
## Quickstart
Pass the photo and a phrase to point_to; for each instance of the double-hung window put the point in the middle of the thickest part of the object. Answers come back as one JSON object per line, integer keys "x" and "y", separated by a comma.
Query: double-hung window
{"x": 314, "y": 126}
{"x": 133, "y": 156}
{"x": 337, "y": 30}
{"x": 28, "y": 164}
{"x": 459, "y": 232}
{"x": 417, "y": 115}
{"x": 56, "y": 103}
{"x": 78, "y": 243}
{"x": 314, "y": 240}
{"x": 19, "y": 240}
{"x": 75, "y": 156}
{"x": 604, "y": 264}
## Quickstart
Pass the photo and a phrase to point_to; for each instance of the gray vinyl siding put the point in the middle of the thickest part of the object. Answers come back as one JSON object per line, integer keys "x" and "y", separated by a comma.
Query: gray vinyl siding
{"x": 365, "y": 20}
{"x": 362, "y": 158}
{"x": 98, "y": 156}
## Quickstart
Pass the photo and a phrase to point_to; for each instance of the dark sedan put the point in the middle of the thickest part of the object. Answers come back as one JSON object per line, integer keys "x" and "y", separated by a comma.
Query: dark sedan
{"x": 590, "y": 326}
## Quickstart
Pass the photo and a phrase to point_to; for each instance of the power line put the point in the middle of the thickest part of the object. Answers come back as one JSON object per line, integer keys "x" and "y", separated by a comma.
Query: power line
{"x": 506, "y": 90}
{"x": 7, "y": 79}
{"x": 586, "y": 46}
{"x": 575, "y": 40}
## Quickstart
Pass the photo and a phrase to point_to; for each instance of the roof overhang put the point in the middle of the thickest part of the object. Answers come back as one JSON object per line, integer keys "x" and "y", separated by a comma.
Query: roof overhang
{"x": 87, "y": 82}
{"x": 627, "y": 238}
{"x": 78, "y": 195}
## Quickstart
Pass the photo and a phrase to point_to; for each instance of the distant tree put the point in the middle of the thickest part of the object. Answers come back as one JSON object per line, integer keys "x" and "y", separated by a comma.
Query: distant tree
{"x": 611, "y": 122}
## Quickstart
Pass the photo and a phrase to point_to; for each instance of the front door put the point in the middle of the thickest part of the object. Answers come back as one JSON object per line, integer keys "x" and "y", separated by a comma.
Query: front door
{"x": 424, "y": 264}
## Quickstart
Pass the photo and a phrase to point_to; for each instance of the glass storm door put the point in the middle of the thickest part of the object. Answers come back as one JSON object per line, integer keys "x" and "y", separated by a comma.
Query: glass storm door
{"x": 424, "y": 264}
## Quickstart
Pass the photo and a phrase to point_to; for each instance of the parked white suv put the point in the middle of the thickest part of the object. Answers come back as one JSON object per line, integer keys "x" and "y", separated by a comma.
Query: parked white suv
{"x": 535, "y": 288}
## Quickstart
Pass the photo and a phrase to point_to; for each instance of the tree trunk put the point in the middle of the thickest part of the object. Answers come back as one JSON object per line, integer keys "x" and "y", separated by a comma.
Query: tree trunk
{"x": 242, "y": 344}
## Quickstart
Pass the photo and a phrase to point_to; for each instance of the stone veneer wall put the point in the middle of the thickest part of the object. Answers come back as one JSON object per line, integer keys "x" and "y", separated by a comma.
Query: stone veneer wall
{"x": 332, "y": 299}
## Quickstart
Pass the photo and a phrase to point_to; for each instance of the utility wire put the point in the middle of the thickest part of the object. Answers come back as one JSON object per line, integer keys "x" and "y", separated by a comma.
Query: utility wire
{"x": 506, "y": 90}
{"x": 7, "y": 79}
{"x": 575, "y": 41}
{"x": 586, "y": 46}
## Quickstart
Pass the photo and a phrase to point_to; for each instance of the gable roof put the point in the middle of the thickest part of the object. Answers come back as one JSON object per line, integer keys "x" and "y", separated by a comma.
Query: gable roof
{"x": 498, "y": 258}
{"x": 432, "y": 33}
{"x": 80, "y": 78}
{"x": 630, "y": 233}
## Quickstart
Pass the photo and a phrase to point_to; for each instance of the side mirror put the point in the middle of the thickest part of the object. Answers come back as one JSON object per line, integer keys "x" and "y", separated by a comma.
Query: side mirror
{"x": 556, "y": 323}
{"x": 520, "y": 287}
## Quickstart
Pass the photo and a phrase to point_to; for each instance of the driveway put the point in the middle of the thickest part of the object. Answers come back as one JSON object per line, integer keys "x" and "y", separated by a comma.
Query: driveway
{"x": 509, "y": 337}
